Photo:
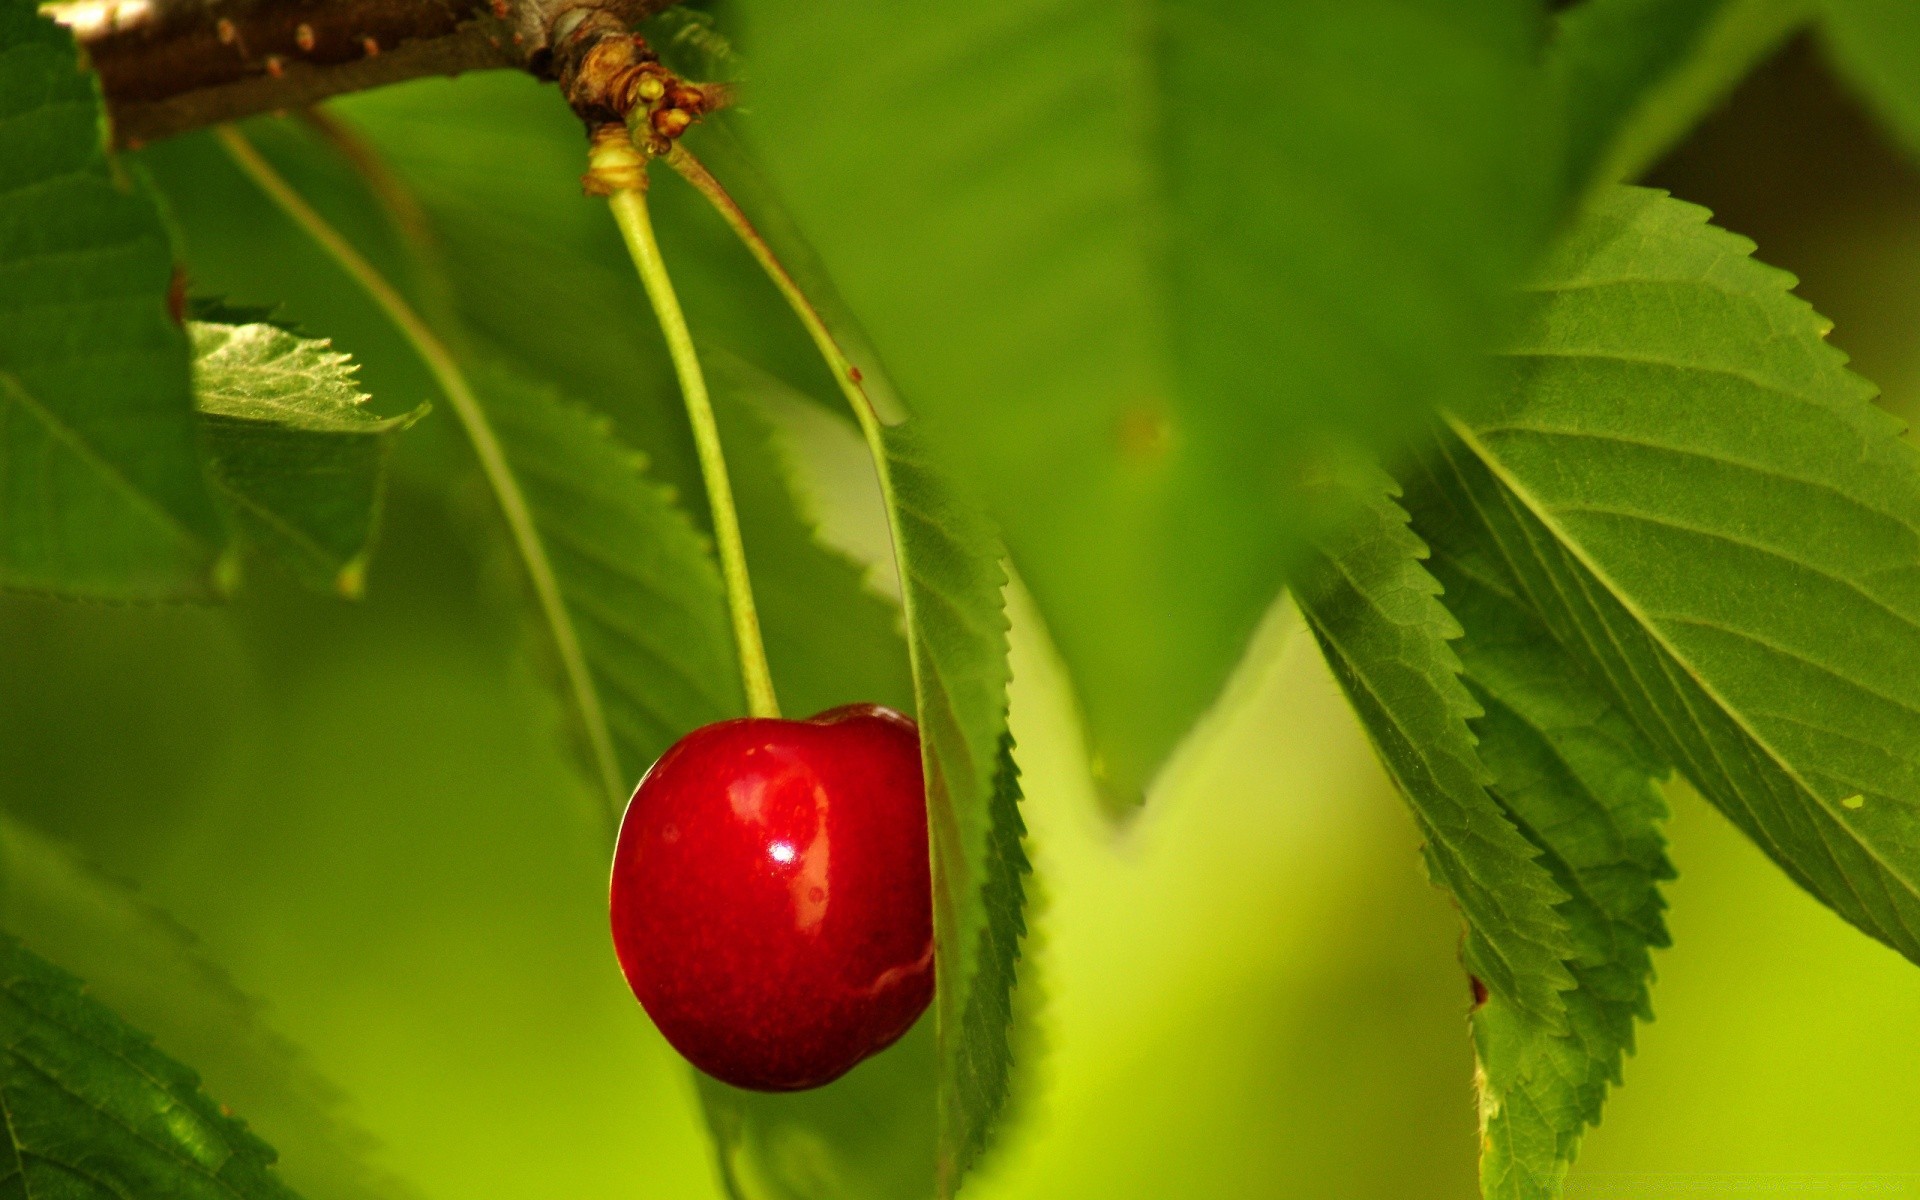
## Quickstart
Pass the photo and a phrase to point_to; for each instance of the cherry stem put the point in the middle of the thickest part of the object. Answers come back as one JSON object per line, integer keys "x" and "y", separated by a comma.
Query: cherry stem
{"x": 845, "y": 373}
{"x": 445, "y": 368}
{"x": 618, "y": 168}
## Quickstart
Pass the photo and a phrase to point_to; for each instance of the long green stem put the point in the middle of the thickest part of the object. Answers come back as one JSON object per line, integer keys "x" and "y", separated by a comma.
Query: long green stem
{"x": 473, "y": 420}
{"x": 615, "y": 161}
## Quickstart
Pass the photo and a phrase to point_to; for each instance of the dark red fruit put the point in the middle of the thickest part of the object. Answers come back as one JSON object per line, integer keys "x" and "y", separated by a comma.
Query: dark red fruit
{"x": 772, "y": 906}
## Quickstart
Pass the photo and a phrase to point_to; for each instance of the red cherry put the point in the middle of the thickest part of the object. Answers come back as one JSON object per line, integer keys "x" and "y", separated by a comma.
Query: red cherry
{"x": 772, "y": 905}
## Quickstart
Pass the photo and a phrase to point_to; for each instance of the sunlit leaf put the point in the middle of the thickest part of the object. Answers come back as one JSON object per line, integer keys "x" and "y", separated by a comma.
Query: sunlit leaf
{"x": 1712, "y": 516}
{"x": 300, "y": 459}
{"x": 102, "y": 488}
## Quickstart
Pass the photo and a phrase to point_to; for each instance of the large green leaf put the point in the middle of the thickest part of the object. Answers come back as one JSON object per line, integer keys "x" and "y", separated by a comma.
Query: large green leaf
{"x": 93, "y": 1110}
{"x": 1877, "y": 45}
{"x": 1576, "y": 778}
{"x": 1710, "y": 513}
{"x": 1140, "y": 267}
{"x": 1372, "y": 606}
{"x": 154, "y": 973}
{"x": 300, "y": 460}
{"x": 1635, "y": 75}
{"x": 102, "y": 490}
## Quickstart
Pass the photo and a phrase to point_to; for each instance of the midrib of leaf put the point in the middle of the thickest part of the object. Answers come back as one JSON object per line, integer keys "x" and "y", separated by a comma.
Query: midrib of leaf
{"x": 1669, "y": 652}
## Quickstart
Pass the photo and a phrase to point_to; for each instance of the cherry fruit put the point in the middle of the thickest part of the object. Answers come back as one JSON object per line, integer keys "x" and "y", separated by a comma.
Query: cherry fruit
{"x": 772, "y": 905}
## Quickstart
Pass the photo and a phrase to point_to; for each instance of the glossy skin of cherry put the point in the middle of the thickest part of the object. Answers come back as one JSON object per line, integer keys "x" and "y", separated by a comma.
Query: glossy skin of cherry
{"x": 771, "y": 901}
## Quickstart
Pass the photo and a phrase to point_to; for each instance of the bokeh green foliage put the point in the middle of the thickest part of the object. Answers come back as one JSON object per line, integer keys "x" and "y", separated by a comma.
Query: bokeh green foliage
{"x": 1250, "y": 992}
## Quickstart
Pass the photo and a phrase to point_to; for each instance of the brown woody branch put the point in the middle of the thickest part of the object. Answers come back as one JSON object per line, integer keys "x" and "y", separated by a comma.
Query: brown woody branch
{"x": 169, "y": 66}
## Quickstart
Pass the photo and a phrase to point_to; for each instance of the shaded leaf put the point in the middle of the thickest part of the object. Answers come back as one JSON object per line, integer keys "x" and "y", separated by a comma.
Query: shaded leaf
{"x": 1576, "y": 778}
{"x": 219, "y": 310}
{"x": 147, "y": 967}
{"x": 1373, "y": 608}
{"x": 1159, "y": 262}
{"x": 1876, "y": 44}
{"x": 640, "y": 592}
{"x": 92, "y": 1109}
{"x": 1712, "y": 516}
{"x": 102, "y": 490}
{"x": 300, "y": 460}
{"x": 1636, "y": 75}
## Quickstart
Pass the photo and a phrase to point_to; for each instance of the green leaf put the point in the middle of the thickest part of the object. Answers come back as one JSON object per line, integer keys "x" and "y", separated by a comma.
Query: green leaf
{"x": 102, "y": 489}
{"x": 151, "y": 970}
{"x": 1576, "y": 778}
{"x": 300, "y": 460}
{"x": 1710, "y": 513}
{"x": 640, "y": 595}
{"x": 980, "y": 1062}
{"x": 951, "y": 581}
{"x": 92, "y": 1109}
{"x": 1636, "y": 75}
{"x": 1876, "y": 44}
{"x": 1142, "y": 267}
{"x": 1373, "y": 608}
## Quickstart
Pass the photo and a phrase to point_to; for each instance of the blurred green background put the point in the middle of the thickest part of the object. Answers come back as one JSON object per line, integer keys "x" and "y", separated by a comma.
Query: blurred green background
{"x": 368, "y": 816}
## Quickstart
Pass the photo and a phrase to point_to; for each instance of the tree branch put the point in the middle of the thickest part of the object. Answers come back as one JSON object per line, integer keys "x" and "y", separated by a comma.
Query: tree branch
{"x": 169, "y": 66}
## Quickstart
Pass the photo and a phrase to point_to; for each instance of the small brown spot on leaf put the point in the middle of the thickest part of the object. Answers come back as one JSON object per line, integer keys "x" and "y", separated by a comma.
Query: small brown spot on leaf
{"x": 1144, "y": 433}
